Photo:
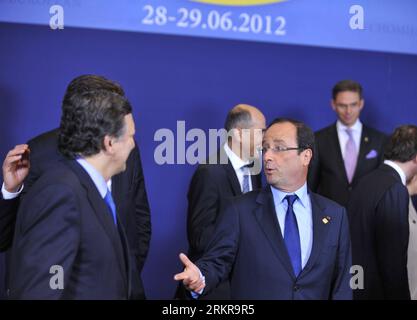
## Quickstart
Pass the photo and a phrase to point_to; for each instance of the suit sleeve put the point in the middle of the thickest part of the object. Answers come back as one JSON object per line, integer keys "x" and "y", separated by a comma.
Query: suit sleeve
{"x": 218, "y": 260}
{"x": 341, "y": 289}
{"x": 9, "y": 208}
{"x": 47, "y": 235}
{"x": 143, "y": 214}
{"x": 392, "y": 232}
{"x": 203, "y": 204}
{"x": 35, "y": 171}
{"x": 8, "y": 212}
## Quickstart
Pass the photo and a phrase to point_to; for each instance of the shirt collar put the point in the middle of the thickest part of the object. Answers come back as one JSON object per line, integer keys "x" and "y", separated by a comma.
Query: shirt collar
{"x": 357, "y": 126}
{"x": 301, "y": 193}
{"x": 236, "y": 162}
{"x": 397, "y": 168}
{"x": 97, "y": 178}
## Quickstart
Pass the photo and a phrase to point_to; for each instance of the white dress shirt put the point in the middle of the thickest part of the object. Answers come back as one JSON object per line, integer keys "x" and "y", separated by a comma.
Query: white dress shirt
{"x": 12, "y": 195}
{"x": 412, "y": 252}
{"x": 239, "y": 166}
{"x": 344, "y": 137}
{"x": 397, "y": 168}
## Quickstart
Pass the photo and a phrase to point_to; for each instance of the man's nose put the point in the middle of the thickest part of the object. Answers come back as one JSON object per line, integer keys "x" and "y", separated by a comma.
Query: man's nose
{"x": 267, "y": 155}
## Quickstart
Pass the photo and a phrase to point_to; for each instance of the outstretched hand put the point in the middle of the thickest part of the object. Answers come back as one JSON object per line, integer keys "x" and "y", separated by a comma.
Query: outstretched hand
{"x": 191, "y": 276}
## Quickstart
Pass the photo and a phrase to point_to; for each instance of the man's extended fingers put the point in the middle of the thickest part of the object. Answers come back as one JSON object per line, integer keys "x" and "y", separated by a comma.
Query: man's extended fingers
{"x": 181, "y": 276}
{"x": 16, "y": 160}
{"x": 185, "y": 261}
{"x": 18, "y": 150}
{"x": 11, "y": 159}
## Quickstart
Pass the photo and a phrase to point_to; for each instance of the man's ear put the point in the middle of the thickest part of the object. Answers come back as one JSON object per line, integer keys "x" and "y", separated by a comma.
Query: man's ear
{"x": 307, "y": 155}
{"x": 333, "y": 105}
{"x": 236, "y": 136}
{"x": 108, "y": 144}
{"x": 361, "y": 104}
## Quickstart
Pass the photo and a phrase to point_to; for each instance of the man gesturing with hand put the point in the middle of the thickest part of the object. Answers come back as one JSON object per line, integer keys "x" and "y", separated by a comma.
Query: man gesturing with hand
{"x": 191, "y": 277}
{"x": 281, "y": 242}
{"x": 16, "y": 167}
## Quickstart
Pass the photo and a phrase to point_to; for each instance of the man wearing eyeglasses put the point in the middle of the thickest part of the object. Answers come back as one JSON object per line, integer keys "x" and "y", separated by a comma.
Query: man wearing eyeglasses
{"x": 346, "y": 150}
{"x": 281, "y": 242}
{"x": 228, "y": 173}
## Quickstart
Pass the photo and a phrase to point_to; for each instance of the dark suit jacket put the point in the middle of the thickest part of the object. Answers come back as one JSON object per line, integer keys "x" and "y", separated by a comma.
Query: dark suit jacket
{"x": 249, "y": 246}
{"x": 327, "y": 175}
{"x": 63, "y": 221}
{"x": 378, "y": 213}
{"x": 128, "y": 189}
{"x": 8, "y": 209}
{"x": 414, "y": 200}
{"x": 210, "y": 186}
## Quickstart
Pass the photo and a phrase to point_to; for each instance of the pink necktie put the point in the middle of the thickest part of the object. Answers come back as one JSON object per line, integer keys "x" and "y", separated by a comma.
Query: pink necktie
{"x": 351, "y": 156}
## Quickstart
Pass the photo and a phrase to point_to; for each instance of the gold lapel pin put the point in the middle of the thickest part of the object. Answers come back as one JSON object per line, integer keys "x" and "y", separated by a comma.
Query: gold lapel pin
{"x": 366, "y": 139}
{"x": 326, "y": 220}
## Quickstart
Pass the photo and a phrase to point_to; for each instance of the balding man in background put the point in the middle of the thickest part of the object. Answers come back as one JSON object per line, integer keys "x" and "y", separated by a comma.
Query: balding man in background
{"x": 228, "y": 177}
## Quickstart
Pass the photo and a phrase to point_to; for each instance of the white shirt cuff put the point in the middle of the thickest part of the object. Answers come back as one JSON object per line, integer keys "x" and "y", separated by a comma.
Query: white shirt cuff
{"x": 10, "y": 195}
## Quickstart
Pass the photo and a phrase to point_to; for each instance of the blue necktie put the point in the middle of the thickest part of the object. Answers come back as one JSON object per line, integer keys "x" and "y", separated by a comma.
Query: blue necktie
{"x": 110, "y": 203}
{"x": 291, "y": 235}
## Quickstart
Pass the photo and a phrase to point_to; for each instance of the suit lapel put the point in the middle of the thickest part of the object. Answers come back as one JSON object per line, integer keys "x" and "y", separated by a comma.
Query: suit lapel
{"x": 256, "y": 181}
{"x": 320, "y": 230}
{"x": 230, "y": 172}
{"x": 127, "y": 255}
{"x": 117, "y": 193}
{"x": 363, "y": 149}
{"x": 102, "y": 213}
{"x": 233, "y": 180}
{"x": 268, "y": 221}
{"x": 414, "y": 201}
{"x": 339, "y": 163}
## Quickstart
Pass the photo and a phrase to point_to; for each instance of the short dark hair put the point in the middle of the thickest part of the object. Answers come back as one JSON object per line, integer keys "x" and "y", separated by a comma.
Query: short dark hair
{"x": 402, "y": 144}
{"x": 346, "y": 85}
{"x": 90, "y": 82}
{"x": 305, "y": 136}
{"x": 237, "y": 117}
{"x": 87, "y": 118}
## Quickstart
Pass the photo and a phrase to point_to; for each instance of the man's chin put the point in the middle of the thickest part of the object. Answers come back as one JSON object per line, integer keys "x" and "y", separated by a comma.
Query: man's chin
{"x": 348, "y": 122}
{"x": 269, "y": 179}
{"x": 122, "y": 169}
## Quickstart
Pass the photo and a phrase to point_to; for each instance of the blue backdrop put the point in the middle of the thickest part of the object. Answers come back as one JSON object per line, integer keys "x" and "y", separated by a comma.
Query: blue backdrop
{"x": 171, "y": 78}
{"x": 383, "y": 25}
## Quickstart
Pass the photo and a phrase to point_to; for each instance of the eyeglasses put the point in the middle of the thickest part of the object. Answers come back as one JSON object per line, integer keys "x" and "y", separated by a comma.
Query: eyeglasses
{"x": 278, "y": 149}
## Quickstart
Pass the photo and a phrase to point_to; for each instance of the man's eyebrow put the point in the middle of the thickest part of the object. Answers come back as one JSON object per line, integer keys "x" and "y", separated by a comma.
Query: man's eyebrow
{"x": 275, "y": 141}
